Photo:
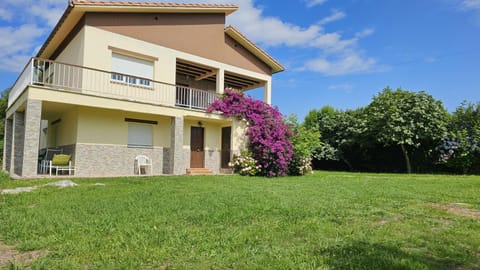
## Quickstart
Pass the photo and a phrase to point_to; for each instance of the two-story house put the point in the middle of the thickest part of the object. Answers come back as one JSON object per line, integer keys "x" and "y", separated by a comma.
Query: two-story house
{"x": 118, "y": 79}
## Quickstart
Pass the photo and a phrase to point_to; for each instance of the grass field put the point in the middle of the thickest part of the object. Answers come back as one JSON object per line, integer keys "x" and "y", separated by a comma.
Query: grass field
{"x": 322, "y": 221}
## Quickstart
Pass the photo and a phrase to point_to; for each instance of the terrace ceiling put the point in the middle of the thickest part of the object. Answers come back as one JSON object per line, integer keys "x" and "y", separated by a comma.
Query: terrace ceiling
{"x": 200, "y": 72}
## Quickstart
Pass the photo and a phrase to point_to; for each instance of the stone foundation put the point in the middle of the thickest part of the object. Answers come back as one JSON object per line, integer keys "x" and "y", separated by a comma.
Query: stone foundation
{"x": 97, "y": 160}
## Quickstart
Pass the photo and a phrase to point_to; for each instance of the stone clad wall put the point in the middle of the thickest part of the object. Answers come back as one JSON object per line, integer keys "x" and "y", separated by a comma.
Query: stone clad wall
{"x": 7, "y": 145}
{"x": 114, "y": 160}
{"x": 18, "y": 142}
{"x": 178, "y": 161}
{"x": 33, "y": 114}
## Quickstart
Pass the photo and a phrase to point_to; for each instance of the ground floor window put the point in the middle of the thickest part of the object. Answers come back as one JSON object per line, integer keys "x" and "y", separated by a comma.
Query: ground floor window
{"x": 140, "y": 135}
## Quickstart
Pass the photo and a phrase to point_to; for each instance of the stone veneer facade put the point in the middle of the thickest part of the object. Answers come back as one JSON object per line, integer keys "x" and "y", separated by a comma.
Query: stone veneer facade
{"x": 115, "y": 160}
{"x": 18, "y": 143}
{"x": 22, "y": 139}
{"x": 7, "y": 145}
{"x": 178, "y": 162}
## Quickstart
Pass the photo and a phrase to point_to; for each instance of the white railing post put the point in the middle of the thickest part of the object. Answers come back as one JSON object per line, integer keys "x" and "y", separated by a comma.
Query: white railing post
{"x": 190, "y": 92}
{"x": 32, "y": 68}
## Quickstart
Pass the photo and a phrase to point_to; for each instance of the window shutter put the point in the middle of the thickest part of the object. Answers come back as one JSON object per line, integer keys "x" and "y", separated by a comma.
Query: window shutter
{"x": 132, "y": 66}
{"x": 139, "y": 135}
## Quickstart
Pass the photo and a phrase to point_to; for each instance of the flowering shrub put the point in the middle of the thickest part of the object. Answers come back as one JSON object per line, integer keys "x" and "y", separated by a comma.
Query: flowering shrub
{"x": 305, "y": 143}
{"x": 268, "y": 134}
{"x": 244, "y": 164}
{"x": 300, "y": 165}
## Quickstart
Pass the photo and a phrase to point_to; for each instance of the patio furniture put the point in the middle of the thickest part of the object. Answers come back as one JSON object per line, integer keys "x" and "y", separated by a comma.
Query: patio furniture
{"x": 61, "y": 163}
{"x": 49, "y": 153}
{"x": 142, "y": 161}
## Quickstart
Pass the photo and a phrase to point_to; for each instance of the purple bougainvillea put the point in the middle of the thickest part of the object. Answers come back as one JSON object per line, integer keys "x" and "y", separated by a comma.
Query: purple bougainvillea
{"x": 269, "y": 135}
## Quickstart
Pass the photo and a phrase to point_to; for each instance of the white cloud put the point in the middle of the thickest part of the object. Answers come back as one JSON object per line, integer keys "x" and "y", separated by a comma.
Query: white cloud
{"x": 49, "y": 14}
{"x": 19, "y": 46}
{"x": 271, "y": 31}
{"x": 5, "y": 14}
{"x": 470, "y": 4}
{"x": 312, "y": 3}
{"x": 349, "y": 62}
{"x": 364, "y": 33}
{"x": 342, "y": 86}
{"x": 335, "y": 16}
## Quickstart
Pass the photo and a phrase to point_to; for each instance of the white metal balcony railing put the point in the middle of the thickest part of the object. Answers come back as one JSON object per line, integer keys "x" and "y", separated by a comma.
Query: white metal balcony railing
{"x": 102, "y": 83}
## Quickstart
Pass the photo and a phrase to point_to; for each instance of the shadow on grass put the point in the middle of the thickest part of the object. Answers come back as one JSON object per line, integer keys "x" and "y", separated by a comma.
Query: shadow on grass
{"x": 362, "y": 255}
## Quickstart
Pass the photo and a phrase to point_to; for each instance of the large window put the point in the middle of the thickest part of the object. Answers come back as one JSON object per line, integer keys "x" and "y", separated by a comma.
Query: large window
{"x": 131, "y": 70}
{"x": 140, "y": 135}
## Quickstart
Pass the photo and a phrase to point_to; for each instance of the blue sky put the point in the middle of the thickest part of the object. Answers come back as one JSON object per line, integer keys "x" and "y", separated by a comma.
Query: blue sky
{"x": 338, "y": 53}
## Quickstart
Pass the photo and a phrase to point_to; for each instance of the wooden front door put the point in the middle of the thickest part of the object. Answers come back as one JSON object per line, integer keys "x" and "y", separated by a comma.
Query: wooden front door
{"x": 197, "y": 155}
{"x": 226, "y": 146}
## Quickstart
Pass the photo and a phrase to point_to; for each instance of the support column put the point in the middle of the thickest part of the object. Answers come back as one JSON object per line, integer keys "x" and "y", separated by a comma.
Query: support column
{"x": 18, "y": 135}
{"x": 267, "y": 92}
{"x": 7, "y": 145}
{"x": 177, "y": 157}
{"x": 220, "y": 81}
{"x": 33, "y": 117}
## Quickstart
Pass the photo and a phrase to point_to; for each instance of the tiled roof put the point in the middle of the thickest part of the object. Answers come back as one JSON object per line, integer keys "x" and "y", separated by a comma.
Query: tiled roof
{"x": 151, "y": 4}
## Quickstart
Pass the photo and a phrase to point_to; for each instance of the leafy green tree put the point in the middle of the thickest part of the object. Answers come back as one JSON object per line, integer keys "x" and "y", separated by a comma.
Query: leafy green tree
{"x": 406, "y": 119}
{"x": 461, "y": 150}
{"x": 342, "y": 133}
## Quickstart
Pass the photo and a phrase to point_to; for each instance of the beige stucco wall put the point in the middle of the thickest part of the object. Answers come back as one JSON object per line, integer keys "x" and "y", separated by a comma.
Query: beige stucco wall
{"x": 74, "y": 52}
{"x": 97, "y": 42}
{"x": 239, "y": 140}
{"x": 65, "y": 131}
{"x": 100, "y": 126}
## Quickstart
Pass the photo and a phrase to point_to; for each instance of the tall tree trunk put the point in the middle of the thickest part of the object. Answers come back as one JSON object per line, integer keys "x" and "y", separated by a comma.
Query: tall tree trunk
{"x": 407, "y": 159}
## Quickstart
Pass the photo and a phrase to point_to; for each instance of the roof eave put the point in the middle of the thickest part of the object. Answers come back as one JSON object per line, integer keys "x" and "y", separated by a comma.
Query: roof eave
{"x": 254, "y": 49}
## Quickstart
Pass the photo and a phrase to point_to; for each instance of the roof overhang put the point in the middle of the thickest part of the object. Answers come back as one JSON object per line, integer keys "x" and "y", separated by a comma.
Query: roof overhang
{"x": 76, "y": 10}
{"x": 254, "y": 49}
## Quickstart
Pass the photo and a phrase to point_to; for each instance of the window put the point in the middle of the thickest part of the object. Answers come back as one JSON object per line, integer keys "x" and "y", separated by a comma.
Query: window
{"x": 140, "y": 135}
{"x": 141, "y": 71}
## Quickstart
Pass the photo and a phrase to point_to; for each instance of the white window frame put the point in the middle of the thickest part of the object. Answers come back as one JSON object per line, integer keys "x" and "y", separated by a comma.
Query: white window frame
{"x": 140, "y": 135}
{"x": 131, "y": 70}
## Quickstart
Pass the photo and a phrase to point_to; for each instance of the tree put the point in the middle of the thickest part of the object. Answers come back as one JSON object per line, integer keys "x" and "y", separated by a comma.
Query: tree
{"x": 461, "y": 149}
{"x": 342, "y": 132}
{"x": 406, "y": 119}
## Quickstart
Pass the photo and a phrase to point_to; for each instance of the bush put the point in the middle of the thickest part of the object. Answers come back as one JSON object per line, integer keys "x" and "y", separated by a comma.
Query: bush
{"x": 245, "y": 164}
{"x": 305, "y": 143}
{"x": 268, "y": 134}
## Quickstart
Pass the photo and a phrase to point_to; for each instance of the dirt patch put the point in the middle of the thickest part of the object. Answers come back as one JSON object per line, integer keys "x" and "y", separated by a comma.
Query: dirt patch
{"x": 390, "y": 220}
{"x": 459, "y": 209}
{"x": 8, "y": 254}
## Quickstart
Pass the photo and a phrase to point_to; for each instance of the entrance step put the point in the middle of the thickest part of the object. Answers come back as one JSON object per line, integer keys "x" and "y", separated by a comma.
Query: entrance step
{"x": 199, "y": 171}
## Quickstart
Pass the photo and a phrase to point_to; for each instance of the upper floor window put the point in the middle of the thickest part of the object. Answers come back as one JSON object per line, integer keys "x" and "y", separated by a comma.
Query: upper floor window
{"x": 131, "y": 70}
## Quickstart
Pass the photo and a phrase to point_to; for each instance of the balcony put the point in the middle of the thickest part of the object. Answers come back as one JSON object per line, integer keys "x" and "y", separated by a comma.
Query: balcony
{"x": 95, "y": 82}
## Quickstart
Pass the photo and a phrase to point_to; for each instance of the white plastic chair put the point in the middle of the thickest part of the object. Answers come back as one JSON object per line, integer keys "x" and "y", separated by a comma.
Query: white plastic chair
{"x": 142, "y": 161}
{"x": 45, "y": 163}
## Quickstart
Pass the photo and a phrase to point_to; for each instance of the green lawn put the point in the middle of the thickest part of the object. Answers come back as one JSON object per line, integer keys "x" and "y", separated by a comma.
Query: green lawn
{"x": 322, "y": 221}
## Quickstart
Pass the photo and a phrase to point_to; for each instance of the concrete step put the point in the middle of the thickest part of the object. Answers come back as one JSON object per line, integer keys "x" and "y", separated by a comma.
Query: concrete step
{"x": 199, "y": 171}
